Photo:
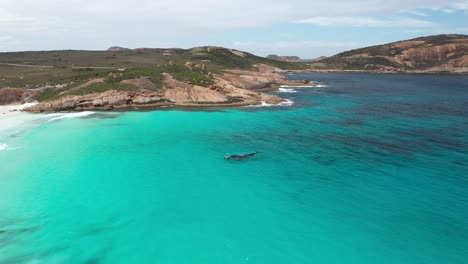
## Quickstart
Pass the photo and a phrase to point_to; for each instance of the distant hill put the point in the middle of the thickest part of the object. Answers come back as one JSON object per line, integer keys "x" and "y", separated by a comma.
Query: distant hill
{"x": 117, "y": 48}
{"x": 42, "y": 68}
{"x": 284, "y": 58}
{"x": 441, "y": 53}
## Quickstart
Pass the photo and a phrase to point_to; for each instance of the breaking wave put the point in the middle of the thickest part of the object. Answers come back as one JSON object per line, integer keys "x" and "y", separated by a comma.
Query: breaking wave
{"x": 304, "y": 86}
{"x": 287, "y": 102}
{"x": 287, "y": 90}
{"x": 59, "y": 116}
{"x": 4, "y": 146}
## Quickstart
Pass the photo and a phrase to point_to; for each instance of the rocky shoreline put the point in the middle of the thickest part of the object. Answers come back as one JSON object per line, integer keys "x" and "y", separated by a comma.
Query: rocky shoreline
{"x": 232, "y": 89}
{"x": 377, "y": 72}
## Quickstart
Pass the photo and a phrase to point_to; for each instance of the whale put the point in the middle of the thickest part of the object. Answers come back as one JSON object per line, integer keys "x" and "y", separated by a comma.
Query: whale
{"x": 241, "y": 156}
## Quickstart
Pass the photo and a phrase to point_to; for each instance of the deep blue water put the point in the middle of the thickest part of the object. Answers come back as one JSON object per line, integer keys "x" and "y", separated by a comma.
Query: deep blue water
{"x": 369, "y": 169}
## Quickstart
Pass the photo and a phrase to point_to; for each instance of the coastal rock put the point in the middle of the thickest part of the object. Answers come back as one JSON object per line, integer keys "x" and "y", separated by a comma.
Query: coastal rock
{"x": 17, "y": 95}
{"x": 263, "y": 78}
{"x": 145, "y": 100}
{"x": 189, "y": 65}
{"x": 69, "y": 102}
{"x": 115, "y": 99}
{"x": 202, "y": 67}
{"x": 98, "y": 102}
{"x": 234, "y": 88}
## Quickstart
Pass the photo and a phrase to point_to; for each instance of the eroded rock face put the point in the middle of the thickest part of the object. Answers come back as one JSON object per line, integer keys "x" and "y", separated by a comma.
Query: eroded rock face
{"x": 258, "y": 80}
{"x": 238, "y": 88}
{"x": 195, "y": 95}
{"x": 100, "y": 101}
{"x": 17, "y": 95}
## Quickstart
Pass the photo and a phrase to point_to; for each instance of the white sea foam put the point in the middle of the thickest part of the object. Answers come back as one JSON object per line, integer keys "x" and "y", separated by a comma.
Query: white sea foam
{"x": 297, "y": 86}
{"x": 287, "y": 102}
{"x": 304, "y": 86}
{"x": 287, "y": 90}
{"x": 4, "y": 146}
{"x": 59, "y": 116}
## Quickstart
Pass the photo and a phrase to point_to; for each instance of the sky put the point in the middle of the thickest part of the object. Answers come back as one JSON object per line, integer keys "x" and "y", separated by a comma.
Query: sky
{"x": 305, "y": 28}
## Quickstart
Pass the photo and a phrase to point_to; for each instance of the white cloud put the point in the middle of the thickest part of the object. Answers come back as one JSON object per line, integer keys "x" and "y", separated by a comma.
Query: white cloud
{"x": 416, "y": 13}
{"x": 155, "y": 16}
{"x": 305, "y": 49}
{"x": 7, "y": 41}
{"x": 463, "y": 30}
{"x": 366, "y": 22}
{"x": 5, "y": 38}
{"x": 463, "y": 5}
{"x": 452, "y": 7}
{"x": 298, "y": 44}
{"x": 99, "y": 23}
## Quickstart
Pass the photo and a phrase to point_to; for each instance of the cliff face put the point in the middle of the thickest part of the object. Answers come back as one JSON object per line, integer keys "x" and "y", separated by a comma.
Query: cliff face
{"x": 443, "y": 53}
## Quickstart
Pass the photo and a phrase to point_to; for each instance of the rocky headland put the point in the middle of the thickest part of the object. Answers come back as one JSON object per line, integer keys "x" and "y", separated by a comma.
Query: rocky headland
{"x": 228, "y": 89}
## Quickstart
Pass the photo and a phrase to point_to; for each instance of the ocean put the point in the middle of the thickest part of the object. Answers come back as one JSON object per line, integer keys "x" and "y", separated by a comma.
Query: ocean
{"x": 366, "y": 168}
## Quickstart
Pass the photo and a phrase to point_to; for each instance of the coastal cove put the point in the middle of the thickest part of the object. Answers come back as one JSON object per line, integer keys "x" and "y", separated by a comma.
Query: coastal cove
{"x": 361, "y": 168}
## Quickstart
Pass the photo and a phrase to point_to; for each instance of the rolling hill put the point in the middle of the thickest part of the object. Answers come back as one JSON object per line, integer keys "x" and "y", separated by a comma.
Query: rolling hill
{"x": 39, "y": 68}
{"x": 120, "y": 78}
{"x": 433, "y": 54}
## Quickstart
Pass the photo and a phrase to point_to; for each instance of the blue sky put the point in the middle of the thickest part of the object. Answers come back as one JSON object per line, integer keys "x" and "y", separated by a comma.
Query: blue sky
{"x": 306, "y": 28}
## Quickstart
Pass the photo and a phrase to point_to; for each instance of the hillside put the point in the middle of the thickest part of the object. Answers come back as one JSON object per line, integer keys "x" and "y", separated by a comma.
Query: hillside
{"x": 39, "y": 68}
{"x": 284, "y": 58}
{"x": 121, "y": 78}
{"x": 441, "y": 53}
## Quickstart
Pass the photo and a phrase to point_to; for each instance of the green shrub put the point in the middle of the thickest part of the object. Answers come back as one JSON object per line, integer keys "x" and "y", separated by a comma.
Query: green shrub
{"x": 182, "y": 73}
{"x": 102, "y": 87}
{"x": 50, "y": 93}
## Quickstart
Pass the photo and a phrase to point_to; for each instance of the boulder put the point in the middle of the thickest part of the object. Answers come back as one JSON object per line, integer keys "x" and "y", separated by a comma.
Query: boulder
{"x": 98, "y": 102}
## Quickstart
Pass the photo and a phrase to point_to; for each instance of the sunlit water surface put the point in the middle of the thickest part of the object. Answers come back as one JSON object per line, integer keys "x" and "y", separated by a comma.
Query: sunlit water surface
{"x": 365, "y": 169}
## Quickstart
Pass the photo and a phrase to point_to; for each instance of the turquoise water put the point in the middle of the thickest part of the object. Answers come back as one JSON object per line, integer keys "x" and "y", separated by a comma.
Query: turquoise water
{"x": 370, "y": 169}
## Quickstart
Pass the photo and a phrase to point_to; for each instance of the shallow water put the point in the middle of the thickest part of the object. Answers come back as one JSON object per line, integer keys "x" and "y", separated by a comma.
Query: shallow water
{"x": 367, "y": 169}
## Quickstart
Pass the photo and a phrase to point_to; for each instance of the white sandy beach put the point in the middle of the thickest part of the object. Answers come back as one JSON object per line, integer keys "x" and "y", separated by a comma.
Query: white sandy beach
{"x": 11, "y": 116}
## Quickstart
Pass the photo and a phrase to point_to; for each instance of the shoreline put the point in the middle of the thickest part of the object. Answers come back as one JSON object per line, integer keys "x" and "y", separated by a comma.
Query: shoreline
{"x": 14, "y": 109}
{"x": 185, "y": 97}
{"x": 13, "y": 116}
{"x": 167, "y": 106}
{"x": 377, "y": 72}
{"x": 236, "y": 88}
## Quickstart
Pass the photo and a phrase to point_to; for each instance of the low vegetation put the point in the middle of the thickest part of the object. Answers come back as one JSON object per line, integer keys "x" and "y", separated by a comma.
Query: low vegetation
{"x": 221, "y": 59}
{"x": 182, "y": 73}
{"x": 50, "y": 93}
{"x": 112, "y": 81}
{"x": 428, "y": 53}
{"x": 192, "y": 75}
{"x": 58, "y": 72}
{"x": 102, "y": 87}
